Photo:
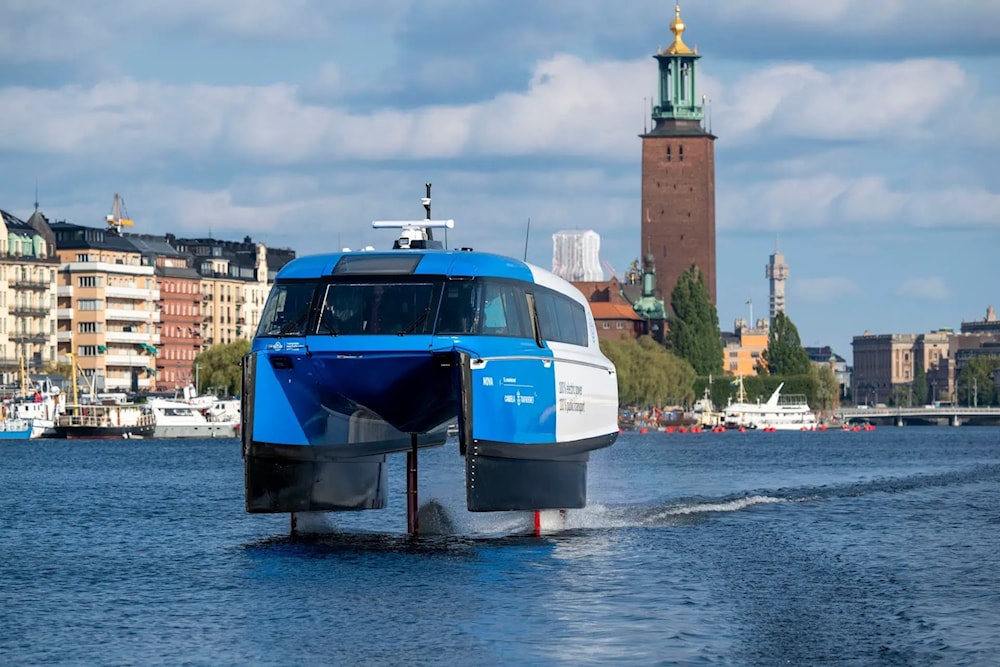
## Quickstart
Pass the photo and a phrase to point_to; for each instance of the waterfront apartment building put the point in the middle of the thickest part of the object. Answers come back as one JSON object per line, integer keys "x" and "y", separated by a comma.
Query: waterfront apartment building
{"x": 235, "y": 279}
{"x": 107, "y": 309}
{"x": 179, "y": 286}
{"x": 576, "y": 255}
{"x": 28, "y": 268}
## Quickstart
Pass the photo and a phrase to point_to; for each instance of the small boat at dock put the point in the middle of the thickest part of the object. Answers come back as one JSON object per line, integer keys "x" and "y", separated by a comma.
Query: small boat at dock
{"x": 106, "y": 421}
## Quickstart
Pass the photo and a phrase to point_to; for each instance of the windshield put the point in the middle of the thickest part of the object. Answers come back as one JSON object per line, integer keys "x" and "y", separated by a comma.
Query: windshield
{"x": 370, "y": 305}
{"x": 378, "y": 308}
{"x": 287, "y": 309}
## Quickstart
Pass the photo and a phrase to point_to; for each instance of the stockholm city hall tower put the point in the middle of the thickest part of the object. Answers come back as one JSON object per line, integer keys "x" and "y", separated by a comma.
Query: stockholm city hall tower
{"x": 678, "y": 173}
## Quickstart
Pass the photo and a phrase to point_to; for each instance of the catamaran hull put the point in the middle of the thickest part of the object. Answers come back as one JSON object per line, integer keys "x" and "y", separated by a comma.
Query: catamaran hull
{"x": 315, "y": 439}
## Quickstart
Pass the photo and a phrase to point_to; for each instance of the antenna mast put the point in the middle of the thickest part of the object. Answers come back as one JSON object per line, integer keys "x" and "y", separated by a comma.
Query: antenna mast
{"x": 426, "y": 201}
{"x": 526, "y": 233}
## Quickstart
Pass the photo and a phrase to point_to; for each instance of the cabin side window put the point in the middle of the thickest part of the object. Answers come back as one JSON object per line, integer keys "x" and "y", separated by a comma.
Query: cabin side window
{"x": 458, "y": 312}
{"x": 286, "y": 312}
{"x": 505, "y": 310}
{"x": 560, "y": 318}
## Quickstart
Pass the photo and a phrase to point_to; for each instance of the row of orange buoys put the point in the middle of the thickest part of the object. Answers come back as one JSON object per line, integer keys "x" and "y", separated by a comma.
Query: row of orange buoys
{"x": 858, "y": 427}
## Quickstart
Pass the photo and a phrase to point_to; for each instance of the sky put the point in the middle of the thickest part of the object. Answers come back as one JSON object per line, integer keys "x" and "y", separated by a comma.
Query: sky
{"x": 859, "y": 136}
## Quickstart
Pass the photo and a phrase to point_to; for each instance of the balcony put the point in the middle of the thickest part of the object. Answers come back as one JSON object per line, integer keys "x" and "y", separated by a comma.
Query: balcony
{"x": 132, "y": 360}
{"x": 137, "y": 293}
{"x": 131, "y": 315}
{"x": 126, "y": 337}
{"x": 31, "y": 283}
{"x": 64, "y": 290}
{"x": 30, "y": 311}
{"x": 24, "y": 337}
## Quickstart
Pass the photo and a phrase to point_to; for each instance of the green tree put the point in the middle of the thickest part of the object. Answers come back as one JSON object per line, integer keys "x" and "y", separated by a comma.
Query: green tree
{"x": 975, "y": 383}
{"x": 648, "y": 374}
{"x": 827, "y": 388}
{"x": 784, "y": 354}
{"x": 219, "y": 366}
{"x": 693, "y": 333}
{"x": 920, "y": 386}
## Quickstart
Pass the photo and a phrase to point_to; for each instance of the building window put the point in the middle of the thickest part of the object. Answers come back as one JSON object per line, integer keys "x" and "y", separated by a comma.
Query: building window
{"x": 668, "y": 153}
{"x": 621, "y": 325}
{"x": 680, "y": 153}
{"x": 606, "y": 325}
{"x": 90, "y": 304}
{"x": 89, "y": 281}
{"x": 733, "y": 366}
{"x": 755, "y": 354}
{"x": 83, "y": 257}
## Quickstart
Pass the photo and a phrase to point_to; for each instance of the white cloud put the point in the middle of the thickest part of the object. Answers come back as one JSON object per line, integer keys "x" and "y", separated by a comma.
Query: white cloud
{"x": 931, "y": 289}
{"x": 863, "y": 102}
{"x": 856, "y": 17}
{"x": 832, "y": 201}
{"x": 823, "y": 290}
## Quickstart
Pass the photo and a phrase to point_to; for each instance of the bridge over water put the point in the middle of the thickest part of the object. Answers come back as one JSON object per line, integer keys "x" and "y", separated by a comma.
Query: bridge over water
{"x": 954, "y": 415}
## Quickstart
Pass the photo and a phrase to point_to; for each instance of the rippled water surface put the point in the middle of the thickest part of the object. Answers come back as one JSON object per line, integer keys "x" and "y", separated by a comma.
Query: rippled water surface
{"x": 870, "y": 548}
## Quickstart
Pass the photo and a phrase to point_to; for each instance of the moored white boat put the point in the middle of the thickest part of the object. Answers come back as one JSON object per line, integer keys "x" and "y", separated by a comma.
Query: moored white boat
{"x": 42, "y": 408}
{"x": 779, "y": 413}
{"x": 15, "y": 429}
{"x": 179, "y": 419}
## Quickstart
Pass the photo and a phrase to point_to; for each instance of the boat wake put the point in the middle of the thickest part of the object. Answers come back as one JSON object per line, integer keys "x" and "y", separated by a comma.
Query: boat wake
{"x": 442, "y": 517}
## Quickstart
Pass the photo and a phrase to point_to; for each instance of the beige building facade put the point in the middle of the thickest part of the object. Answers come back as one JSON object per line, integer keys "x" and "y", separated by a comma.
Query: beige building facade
{"x": 108, "y": 313}
{"x": 28, "y": 271}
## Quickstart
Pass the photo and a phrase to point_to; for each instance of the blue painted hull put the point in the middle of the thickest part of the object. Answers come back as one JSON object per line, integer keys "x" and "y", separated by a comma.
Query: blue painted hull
{"x": 362, "y": 355}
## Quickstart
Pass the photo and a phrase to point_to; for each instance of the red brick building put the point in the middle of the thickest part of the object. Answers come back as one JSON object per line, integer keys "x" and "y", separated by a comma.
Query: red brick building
{"x": 678, "y": 173}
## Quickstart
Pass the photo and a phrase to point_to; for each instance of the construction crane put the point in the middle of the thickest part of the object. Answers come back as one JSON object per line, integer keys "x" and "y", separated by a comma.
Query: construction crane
{"x": 610, "y": 269}
{"x": 115, "y": 219}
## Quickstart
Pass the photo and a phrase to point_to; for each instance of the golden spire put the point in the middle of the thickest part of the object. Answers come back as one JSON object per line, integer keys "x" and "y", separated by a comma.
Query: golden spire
{"x": 677, "y": 27}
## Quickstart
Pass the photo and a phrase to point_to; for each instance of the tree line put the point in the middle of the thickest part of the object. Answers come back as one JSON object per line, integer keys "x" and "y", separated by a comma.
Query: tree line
{"x": 691, "y": 359}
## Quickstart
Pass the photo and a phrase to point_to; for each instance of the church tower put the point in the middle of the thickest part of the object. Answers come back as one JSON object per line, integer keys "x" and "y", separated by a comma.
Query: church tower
{"x": 678, "y": 172}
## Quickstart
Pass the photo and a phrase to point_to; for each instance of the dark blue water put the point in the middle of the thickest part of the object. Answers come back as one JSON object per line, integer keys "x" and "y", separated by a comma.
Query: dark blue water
{"x": 871, "y": 548}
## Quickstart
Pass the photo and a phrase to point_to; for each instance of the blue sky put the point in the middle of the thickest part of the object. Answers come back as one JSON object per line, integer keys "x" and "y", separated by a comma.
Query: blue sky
{"x": 863, "y": 135}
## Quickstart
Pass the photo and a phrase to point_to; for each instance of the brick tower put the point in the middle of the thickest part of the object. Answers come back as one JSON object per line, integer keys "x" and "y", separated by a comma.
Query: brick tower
{"x": 678, "y": 173}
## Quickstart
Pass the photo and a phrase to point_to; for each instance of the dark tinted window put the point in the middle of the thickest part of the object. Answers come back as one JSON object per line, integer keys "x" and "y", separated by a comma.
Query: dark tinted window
{"x": 560, "y": 318}
{"x": 459, "y": 307}
{"x": 378, "y": 308}
{"x": 286, "y": 312}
